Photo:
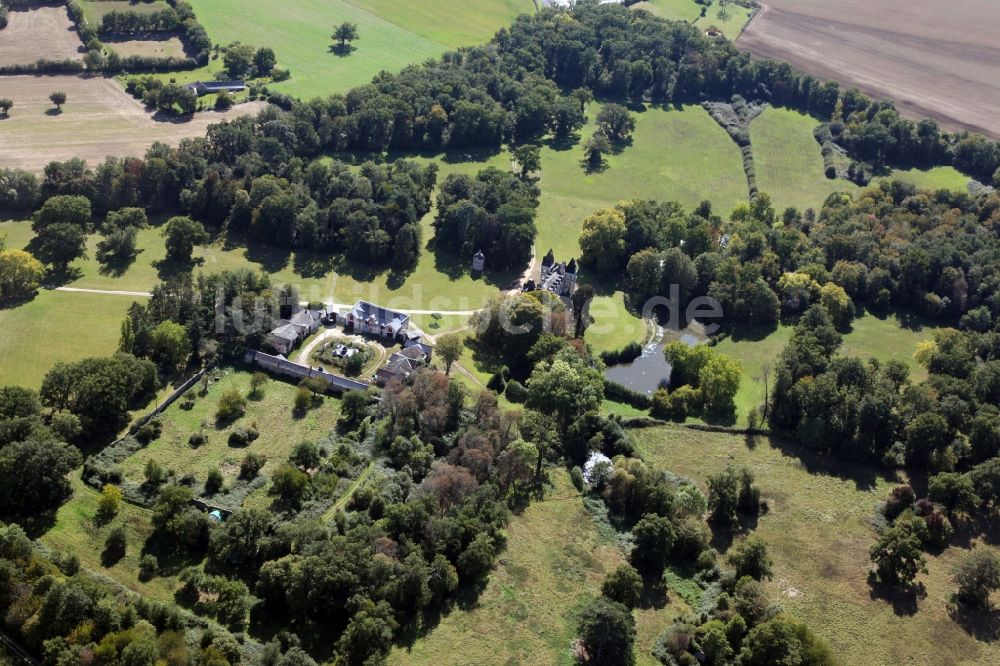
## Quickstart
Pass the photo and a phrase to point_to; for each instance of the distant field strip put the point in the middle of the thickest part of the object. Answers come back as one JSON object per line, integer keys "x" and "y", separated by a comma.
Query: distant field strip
{"x": 933, "y": 58}
{"x": 392, "y": 34}
{"x": 98, "y": 120}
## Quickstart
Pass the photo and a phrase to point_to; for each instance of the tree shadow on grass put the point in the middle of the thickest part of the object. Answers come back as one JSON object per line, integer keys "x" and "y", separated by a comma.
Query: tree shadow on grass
{"x": 111, "y": 556}
{"x": 34, "y": 525}
{"x": 864, "y": 476}
{"x": 116, "y": 267}
{"x": 904, "y": 600}
{"x": 751, "y": 332}
{"x": 342, "y": 50}
{"x": 563, "y": 143}
{"x": 981, "y": 623}
{"x": 167, "y": 269}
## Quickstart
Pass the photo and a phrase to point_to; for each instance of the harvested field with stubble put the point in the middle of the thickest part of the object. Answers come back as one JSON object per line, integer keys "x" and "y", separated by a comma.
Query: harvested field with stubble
{"x": 98, "y": 120}
{"x": 39, "y": 32}
{"x": 170, "y": 47}
{"x": 935, "y": 59}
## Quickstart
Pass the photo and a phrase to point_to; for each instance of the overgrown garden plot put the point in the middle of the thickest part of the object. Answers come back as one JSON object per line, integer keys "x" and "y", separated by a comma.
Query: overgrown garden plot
{"x": 271, "y": 413}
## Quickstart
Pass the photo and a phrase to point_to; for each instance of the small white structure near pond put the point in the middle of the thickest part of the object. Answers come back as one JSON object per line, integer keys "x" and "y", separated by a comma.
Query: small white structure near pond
{"x": 594, "y": 464}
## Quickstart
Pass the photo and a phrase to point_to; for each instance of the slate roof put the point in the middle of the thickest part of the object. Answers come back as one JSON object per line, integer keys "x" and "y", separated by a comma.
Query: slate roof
{"x": 286, "y": 332}
{"x": 363, "y": 311}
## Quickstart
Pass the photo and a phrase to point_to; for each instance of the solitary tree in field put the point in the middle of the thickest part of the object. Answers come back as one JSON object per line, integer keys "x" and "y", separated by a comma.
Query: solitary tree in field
{"x": 529, "y": 160}
{"x": 5, "y": 105}
{"x": 345, "y": 33}
{"x": 449, "y": 348}
{"x": 58, "y": 98}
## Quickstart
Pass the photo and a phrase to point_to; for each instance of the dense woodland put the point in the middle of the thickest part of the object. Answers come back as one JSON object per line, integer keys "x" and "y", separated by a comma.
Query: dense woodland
{"x": 431, "y": 526}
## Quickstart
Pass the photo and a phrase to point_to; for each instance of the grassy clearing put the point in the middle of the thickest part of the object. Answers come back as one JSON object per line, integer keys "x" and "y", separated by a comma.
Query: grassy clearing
{"x": 554, "y": 563}
{"x": 756, "y": 353}
{"x": 280, "y": 430}
{"x": 392, "y": 35}
{"x": 887, "y": 338}
{"x": 788, "y": 160}
{"x": 892, "y": 338}
{"x": 731, "y": 25}
{"x": 613, "y": 325}
{"x": 77, "y": 531}
{"x": 818, "y": 533}
{"x": 938, "y": 178}
{"x": 452, "y": 23}
{"x": 56, "y": 326}
{"x": 674, "y": 10}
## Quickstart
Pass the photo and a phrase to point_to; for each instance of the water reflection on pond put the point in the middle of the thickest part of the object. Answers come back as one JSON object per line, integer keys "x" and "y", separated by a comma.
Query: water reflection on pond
{"x": 651, "y": 370}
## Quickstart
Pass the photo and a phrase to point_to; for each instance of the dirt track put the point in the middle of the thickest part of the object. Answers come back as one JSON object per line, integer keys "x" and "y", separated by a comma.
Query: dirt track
{"x": 42, "y": 32}
{"x": 934, "y": 58}
{"x": 98, "y": 120}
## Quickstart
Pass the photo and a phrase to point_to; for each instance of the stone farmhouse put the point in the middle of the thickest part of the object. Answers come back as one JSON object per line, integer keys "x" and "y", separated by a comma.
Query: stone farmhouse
{"x": 289, "y": 332}
{"x": 373, "y": 319}
{"x": 403, "y": 363}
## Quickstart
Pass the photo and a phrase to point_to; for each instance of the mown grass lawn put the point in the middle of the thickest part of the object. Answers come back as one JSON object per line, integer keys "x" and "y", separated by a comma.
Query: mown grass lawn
{"x": 818, "y": 533}
{"x": 555, "y": 561}
{"x": 56, "y": 326}
{"x": 894, "y": 337}
{"x": 392, "y": 35}
{"x": 272, "y": 414}
{"x": 612, "y": 325}
{"x": 788, "y": 161}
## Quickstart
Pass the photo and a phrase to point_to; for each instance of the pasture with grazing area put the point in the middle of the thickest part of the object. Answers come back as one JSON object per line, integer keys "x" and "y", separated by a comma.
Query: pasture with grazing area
{"x": 934, "y": 59}
{"x": 818, "y": 532}
{"x": 39, "y": 33}
{"x": 392, "y": 35}
{"x": 98, "y": 120}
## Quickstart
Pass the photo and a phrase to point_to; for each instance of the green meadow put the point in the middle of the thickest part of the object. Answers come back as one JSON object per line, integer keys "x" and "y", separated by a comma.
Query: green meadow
{"x": 788, "y": 161}
{"x": 555, "y": 561}
{"x": 56, "y": 326}
{"x": 392, "y": 35}
{"x": 818, "y": 532}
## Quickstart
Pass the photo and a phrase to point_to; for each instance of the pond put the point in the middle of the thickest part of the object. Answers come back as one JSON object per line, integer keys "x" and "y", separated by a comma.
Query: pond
{"x": 651, "y": 370}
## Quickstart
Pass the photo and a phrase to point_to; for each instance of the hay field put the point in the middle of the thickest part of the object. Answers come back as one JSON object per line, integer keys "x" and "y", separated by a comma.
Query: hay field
{"x": 168, "y": 47}
{"x": 39, "y": 32}
{"x": 99, "y": 119}
{"x": 935, "y": 59}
